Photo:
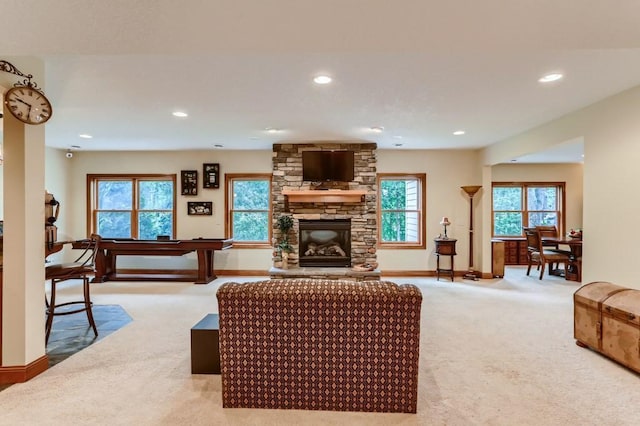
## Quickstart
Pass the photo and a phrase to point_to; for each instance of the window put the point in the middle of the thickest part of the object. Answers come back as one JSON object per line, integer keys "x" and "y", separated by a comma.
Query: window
{"x": 401, "y": 207}
{"x": 132, "y": 206}
{"x": 517, "y": 205}
{"x": 248, "y": 206}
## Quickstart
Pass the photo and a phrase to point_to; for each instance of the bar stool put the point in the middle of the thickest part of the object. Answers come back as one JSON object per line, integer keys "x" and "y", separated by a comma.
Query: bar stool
{"x": 80, "y": 269}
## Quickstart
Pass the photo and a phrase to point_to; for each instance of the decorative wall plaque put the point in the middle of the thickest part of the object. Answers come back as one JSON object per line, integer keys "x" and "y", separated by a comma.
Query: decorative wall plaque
{"x": 211, "y": 175}
{"x": 200, "y": 208}
{"x": 189, "y": 180}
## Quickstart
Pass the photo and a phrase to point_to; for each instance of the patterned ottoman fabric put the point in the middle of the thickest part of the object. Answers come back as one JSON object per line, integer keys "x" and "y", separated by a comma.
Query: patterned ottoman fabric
{"x": 320, "y": 345}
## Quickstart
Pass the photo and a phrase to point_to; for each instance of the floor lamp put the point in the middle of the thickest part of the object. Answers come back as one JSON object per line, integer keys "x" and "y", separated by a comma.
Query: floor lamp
{"x": 471, "y": 191}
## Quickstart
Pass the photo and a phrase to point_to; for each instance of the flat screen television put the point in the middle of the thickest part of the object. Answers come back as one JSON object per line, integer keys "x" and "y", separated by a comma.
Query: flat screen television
{"x": 322, "y": 166}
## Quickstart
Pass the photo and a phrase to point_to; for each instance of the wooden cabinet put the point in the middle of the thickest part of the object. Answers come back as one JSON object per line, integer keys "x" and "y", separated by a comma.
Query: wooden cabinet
{"x": 497, "y": 258}
{"x": 515, "y": 251}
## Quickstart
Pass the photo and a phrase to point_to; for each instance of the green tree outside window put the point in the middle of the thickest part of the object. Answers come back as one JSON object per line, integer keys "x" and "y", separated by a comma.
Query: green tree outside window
{"x": 521, "y": 205}
{"x": 250, "y": 210}
{"x": 400, "y": 209}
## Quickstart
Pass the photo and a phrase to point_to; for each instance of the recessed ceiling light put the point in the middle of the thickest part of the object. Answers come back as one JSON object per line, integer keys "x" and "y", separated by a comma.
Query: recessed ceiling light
{"x": 377, "y": 129}
{"x": 322, "y": 79}
{"x": 218, "y": 146}
{"x": 397, "y": 144}
{"x": 272, "y": 130}
{"x": 75, "y": 147}
{"x": 180, "y": 114}
{"x": 85, "y": 136}
{"x": 550, "y": 77}
{"x": 459, "y": 132}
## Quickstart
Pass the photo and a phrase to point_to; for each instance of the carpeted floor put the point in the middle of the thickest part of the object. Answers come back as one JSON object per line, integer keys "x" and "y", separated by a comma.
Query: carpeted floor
{"x": 72, "y": 333}
{"x": 492, "y": 352}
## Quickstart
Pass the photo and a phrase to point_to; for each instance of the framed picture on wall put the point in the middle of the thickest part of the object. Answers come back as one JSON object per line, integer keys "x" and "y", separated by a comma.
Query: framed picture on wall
{"x": 200, "y": 208}
{"x": 211, "y": 172}
{"x": 189, "y": 179}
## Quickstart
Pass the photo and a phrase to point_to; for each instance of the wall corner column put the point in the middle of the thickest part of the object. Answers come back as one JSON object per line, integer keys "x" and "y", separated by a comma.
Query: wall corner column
{"x": 22, "y": 310}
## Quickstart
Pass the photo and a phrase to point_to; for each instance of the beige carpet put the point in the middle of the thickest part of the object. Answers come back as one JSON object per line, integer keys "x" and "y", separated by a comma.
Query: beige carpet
{"x": 492, "y": 352}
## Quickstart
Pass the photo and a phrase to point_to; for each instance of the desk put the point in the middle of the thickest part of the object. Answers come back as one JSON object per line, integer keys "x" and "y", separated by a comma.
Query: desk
{"x": 49, "y": 247}
{"x": 110, "y": 249}
{"x": 574, "y": 269}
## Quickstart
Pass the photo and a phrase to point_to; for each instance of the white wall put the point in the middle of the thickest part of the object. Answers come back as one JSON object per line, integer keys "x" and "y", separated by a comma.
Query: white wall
{"x": 87, "y": 162}
{"x": 57, "y": 182}
{"x": 447, "y": 171}
{"x": 611, "y": 133}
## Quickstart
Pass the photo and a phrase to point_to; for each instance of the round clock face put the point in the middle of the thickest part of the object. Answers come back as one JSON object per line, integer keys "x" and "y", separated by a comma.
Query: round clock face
{"x": 28, "y": 105}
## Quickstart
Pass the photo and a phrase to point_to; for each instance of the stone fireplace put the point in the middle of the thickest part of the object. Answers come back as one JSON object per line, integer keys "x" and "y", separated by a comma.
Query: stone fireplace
{"x": 359, "y": 212}
{"x": 324, "y": 242}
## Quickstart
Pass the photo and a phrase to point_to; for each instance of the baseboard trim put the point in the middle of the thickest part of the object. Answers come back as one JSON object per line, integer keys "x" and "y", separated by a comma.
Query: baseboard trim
{"x": 387, "y": 273}
{"x": 22, "y": 373}
{"x": 241, "y": 272}
{"x": 186, "y": 272}
{"x": 397, "y": 273}
{"x": 261, "y": 273}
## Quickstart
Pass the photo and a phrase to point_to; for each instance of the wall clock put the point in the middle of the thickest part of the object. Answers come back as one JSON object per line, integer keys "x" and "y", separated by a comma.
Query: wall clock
{"x": 28, "y": 105}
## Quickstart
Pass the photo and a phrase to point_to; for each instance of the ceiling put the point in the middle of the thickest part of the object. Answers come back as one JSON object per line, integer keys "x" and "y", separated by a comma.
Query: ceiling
{"x": 421, "y": 69}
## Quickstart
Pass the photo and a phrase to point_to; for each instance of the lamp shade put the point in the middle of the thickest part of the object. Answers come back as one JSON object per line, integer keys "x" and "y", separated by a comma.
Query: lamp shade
{"x": 445, "y": 221}
{"x": 471, "y": 189}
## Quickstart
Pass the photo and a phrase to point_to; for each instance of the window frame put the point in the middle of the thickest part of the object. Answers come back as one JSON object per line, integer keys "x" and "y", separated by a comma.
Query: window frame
{"x": 421, "y": 178}
{"x": 229, "y": 178}
{"x": 561, "y": 197}
{"x": 135, "y": 178}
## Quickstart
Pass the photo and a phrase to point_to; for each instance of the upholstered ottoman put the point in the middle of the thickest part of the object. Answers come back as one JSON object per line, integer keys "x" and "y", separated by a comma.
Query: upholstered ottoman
{"x": 320, "y": 345}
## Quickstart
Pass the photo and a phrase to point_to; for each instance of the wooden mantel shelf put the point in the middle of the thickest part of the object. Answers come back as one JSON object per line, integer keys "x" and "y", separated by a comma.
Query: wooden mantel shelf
{"x": 325, "y": 196}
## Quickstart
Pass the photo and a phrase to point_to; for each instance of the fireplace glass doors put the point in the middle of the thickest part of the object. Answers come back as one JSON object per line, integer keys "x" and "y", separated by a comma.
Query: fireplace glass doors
{"x": 325, "y": 242}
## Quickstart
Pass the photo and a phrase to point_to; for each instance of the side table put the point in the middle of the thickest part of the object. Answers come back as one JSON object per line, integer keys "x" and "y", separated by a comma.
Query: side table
{"x": 445, "y": 247}
{"x": 205, "y": 349}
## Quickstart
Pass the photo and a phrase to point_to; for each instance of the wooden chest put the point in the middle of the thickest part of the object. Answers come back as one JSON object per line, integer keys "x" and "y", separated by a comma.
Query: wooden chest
{"x": 606, "y": 319}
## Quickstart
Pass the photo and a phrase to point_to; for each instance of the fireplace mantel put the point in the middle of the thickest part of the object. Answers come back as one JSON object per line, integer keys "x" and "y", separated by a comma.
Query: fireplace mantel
{"x": 301, "y": 199}
{"x": 325, "y": 196}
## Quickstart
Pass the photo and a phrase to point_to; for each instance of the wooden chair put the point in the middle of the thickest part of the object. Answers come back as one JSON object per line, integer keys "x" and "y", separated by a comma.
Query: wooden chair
{"x": 532, "y": 247}
{"x": 550, "y": 231}
{"x": 540, "y": 255}
{"x": 80, "y": 269}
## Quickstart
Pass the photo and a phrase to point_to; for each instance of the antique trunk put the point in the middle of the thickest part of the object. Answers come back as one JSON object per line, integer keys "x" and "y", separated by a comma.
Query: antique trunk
{"x": 621, "y": 328}
{"x": 587, "y": 312}
{"x": 606, "y": 319}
